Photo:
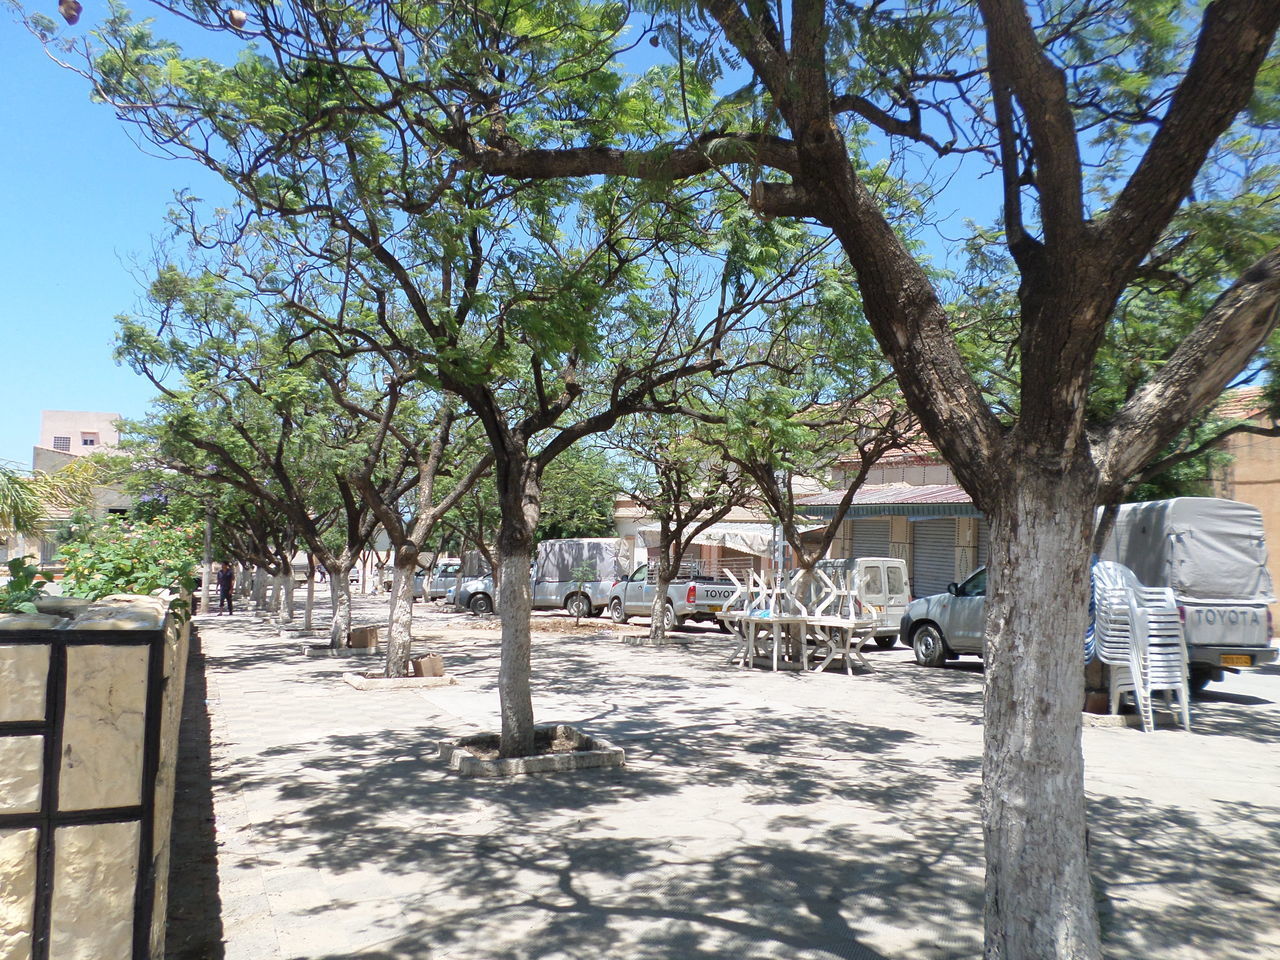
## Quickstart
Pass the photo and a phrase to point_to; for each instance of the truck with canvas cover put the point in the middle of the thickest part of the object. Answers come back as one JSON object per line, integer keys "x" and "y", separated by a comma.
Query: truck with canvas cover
{"x": 1213, "y": 554}
{"x": 574, "y": 575}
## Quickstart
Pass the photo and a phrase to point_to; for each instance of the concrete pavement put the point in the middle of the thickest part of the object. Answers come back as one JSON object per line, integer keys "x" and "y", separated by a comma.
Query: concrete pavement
{"x": 760, "y": 815}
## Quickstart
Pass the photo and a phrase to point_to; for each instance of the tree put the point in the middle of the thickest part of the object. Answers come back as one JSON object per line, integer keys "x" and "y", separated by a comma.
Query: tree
{"x": 26, "y": 496}
{"x": 678, "y": 479}
{"x": 250, "y": 412}
{"x": 1041, "y": 80}
{"x": 838, "y": 99}
{"x": 578, "y": 494}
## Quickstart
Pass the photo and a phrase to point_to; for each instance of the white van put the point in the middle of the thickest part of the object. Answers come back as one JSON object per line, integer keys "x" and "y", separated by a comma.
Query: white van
{"x": 881, "y": 583}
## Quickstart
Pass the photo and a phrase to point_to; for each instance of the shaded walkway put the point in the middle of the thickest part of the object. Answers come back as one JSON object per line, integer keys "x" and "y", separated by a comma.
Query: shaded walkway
{"x": 759, "y": 816}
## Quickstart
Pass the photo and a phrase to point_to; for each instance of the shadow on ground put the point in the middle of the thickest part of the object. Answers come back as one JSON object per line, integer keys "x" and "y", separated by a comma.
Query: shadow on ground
{"x": 194, "y": 920}
{"x": 747, "y": 824}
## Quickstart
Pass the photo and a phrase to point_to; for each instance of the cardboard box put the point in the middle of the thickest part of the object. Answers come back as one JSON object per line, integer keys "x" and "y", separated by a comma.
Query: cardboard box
{"x": 363, "y": 637}
{"x": 432, "y": 665}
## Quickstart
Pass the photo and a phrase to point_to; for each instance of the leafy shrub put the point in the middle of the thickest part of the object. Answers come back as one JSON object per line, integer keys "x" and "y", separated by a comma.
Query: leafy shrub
{"x": 20, "y": 593}
{"x": 122, "y": 556}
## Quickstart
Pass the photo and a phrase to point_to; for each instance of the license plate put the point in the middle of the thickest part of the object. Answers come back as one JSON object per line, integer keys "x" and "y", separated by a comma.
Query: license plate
{"x": 715, "y": 608}
{"x": 1236, "y": 660}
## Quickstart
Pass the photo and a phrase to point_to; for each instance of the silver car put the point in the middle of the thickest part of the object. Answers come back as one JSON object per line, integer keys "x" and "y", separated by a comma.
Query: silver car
{"x": 946, "y": 625}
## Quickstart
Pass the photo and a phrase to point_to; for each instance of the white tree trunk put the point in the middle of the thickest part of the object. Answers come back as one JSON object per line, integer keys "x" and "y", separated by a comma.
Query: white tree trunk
{"x": 311, "y": 600}
{"x": 1039, "y": 901}
{"x": 516, "y": 703}
{"x": 340, "y": 626}
{"x": 286, "y": 599}
{"x": 400, "y": 627}
{"x": 658, "y": 611}
{"x": 260, "y": 592}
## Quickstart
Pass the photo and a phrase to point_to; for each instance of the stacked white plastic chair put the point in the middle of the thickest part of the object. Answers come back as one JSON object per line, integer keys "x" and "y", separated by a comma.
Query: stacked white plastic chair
{"x": 1138, "y": 632}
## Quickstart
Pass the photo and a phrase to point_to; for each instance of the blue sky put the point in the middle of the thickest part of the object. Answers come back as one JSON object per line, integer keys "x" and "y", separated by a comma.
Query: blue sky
{"x": 81, "y": 204}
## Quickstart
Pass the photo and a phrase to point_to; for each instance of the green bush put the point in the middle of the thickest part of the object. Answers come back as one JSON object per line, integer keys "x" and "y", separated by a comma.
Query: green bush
{"x": 22, "y": 590}
{"x": 122, "y": 556}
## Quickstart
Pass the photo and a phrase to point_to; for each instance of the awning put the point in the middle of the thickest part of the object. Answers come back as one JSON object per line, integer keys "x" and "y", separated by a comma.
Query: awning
{"x": 756, "y": 538}
{"x": 896, "y": 500}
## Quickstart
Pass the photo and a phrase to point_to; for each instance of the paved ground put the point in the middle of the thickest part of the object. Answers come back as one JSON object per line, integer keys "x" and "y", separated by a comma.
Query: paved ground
{"x": 760, "y": 815}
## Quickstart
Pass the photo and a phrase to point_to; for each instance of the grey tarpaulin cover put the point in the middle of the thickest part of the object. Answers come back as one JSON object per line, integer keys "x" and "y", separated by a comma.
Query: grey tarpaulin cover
{"x": 608, "y": 558}
{"x": 1203, "y": 547}
{"x": 756, "y": 538}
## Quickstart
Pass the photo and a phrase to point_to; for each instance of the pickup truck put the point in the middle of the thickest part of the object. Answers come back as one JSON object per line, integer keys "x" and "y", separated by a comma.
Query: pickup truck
{"x": 687, "y": 600}
{"x": 1213, "y": 554}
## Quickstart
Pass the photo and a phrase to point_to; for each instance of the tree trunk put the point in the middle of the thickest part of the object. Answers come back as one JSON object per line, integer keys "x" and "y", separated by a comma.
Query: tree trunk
{"x": 260, "y": 592}
{"x": 340, "y": 626}
{"x": 1039, "y": 902}
{"x": 287, "y": 600}
{"x": 513, "y": 674}
{"x": 311, "y": 595}
{"x": 658, "y": 612}
{"x": 400, "y": 626}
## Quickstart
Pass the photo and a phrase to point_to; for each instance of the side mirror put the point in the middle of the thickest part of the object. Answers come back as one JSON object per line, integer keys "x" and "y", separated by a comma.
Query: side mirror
{"x": 953, "y": 589}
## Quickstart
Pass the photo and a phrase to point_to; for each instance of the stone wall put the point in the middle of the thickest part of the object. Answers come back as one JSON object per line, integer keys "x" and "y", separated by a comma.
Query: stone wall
{"x": 90, "y": 701}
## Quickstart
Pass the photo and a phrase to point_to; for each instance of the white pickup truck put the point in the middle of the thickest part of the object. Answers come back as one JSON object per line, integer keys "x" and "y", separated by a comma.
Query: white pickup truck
{"x": 687, "y": 599}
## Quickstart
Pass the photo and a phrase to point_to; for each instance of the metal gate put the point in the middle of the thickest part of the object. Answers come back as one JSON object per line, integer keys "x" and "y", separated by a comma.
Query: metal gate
{"x": 984, "y": 538}
{"x": 933, "y": 556}
{"x": 871, "y": 538}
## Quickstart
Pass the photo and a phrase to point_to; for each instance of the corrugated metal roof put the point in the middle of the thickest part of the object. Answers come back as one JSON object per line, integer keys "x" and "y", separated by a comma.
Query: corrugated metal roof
{"x": 897, "y": 499}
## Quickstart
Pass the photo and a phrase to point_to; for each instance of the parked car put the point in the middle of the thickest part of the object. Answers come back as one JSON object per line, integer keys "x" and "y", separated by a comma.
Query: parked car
{"x": 387, "y": 579}
{"x": 443, "y": 577}
{"x": 881, "y": 583}
{"x": 946, "y": 625}
{"x": 1211, "y": 552}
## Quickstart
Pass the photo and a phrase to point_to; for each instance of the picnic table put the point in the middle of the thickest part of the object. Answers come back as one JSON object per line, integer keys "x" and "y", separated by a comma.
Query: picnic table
{"x": 769, "y": 620}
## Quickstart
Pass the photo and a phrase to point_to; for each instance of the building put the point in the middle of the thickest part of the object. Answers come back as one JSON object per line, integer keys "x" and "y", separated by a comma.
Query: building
{"x": 66, "y": 435}
{"x": 73, "y": 433}
{"x": 910, "y": 507}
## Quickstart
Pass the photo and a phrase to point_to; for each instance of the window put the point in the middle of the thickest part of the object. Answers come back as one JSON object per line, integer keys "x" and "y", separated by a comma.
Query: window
{"x": 87, "y": 441}
{"x": 62, "y": 443}
{"x": 896, "y": 586}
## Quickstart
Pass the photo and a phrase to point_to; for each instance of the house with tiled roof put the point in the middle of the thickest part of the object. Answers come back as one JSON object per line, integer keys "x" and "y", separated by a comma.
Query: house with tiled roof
{"x": 912, "y": 507}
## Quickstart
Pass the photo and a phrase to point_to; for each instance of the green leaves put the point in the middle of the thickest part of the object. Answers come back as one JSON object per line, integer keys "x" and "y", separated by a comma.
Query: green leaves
{"x": 23, "y": 589}
{"x": 122, "y": 556}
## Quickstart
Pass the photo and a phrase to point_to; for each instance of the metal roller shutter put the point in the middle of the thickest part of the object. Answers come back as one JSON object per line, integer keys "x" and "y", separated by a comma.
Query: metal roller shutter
{"x": 871, "y": 538}
{"x": 933, "y": 556}
{"x": 984, "y": 537}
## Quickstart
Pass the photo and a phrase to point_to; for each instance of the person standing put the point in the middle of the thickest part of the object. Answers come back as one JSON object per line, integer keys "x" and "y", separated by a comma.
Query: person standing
{"x": 226, "y": 588}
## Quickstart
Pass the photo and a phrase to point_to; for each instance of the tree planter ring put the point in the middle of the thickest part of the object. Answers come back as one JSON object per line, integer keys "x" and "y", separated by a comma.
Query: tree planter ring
{"x": 590, "y": 752}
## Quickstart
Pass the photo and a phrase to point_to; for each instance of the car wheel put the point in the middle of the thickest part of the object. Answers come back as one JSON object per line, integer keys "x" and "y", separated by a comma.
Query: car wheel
{"x": 480, "y": 603}
{"x": 578, "y": 605}
{"x": 886, "y": 643}
{"x": 1198, "y": 678}
{"x": 929, "y": 645}
{"x": 617, "y": 613}
{"x": 671, "y": 621}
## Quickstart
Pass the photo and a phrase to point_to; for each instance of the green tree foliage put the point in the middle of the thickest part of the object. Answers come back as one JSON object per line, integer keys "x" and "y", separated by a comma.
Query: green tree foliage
{"x": 27, "y": 496}
{"x": 578, "y": 493}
